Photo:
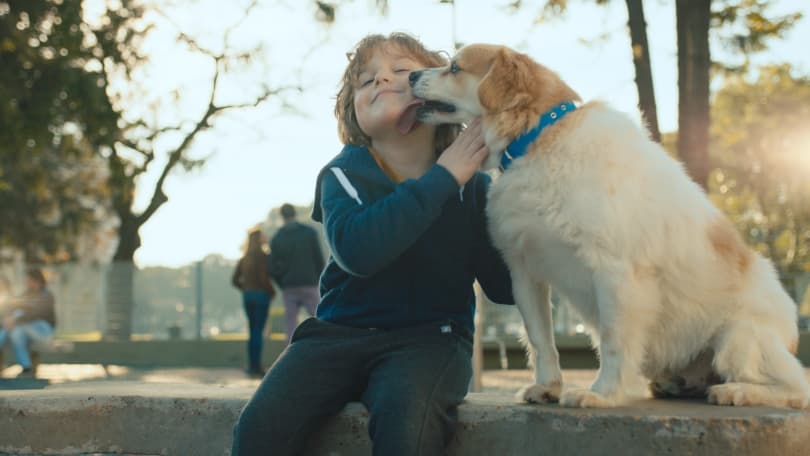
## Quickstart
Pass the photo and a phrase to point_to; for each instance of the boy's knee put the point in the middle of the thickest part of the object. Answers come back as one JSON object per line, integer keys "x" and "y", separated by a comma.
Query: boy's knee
{"x": 247, "y": 432}
{"x": 411, "y": 417}
{"x": 248, "y": 425}
{"x": 256, "y": 433}
{"x": 420, "y": 428}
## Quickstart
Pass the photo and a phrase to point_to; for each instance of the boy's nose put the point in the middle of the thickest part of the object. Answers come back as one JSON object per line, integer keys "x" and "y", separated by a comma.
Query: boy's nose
{"x": 414, "y": 76}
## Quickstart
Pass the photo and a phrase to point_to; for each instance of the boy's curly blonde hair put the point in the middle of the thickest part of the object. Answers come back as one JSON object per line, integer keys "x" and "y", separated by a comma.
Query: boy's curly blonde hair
{"x": 348, "y": 128}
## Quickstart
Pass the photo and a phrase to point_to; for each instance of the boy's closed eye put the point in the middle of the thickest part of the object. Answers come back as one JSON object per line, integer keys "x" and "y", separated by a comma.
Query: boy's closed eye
{"x": 364, "y": 81}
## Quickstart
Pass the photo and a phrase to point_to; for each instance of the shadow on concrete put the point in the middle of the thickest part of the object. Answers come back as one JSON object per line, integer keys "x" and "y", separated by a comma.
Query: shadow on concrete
{"x": 23, "y": 383}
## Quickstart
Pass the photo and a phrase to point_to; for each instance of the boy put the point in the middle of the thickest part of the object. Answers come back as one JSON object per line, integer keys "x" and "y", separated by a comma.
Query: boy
{"x": 403, "y": 212}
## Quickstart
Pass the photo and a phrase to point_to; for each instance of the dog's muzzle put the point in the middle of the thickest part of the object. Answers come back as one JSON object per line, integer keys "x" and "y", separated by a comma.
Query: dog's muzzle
{"x": 431, "y": 105}
{"x": 428, "y": 106}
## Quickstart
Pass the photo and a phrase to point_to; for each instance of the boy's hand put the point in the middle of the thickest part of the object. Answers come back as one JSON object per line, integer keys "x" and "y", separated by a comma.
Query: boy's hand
{"x": 465, "y": 155}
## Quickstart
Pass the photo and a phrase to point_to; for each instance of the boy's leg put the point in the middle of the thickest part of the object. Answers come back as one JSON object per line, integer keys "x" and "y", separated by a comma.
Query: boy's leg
{"x": 313, "y": 379}
{"x": 421, "y": 377}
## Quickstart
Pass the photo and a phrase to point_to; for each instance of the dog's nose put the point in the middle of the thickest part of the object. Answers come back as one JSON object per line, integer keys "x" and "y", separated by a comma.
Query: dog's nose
{"x": 413, "y": 77}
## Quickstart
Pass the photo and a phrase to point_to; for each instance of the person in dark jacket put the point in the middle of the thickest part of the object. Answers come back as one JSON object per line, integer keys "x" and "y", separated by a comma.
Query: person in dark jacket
{"x": 296, "y": 262}
{"x": 251, "y": 278}
{"x": 403, "y": 210}
{"x": 29, "y": 318}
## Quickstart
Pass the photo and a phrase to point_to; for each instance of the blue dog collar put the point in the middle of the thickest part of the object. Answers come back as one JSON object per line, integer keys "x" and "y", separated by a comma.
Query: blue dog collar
{"x": 518, "y": 147}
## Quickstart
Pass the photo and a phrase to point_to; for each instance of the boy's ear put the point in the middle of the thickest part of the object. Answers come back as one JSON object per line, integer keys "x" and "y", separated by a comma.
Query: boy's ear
{"x": 506, "y": 85}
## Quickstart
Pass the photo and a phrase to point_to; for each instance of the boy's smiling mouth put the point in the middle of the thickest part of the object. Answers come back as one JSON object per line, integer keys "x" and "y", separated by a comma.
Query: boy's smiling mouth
{"x": 384, "y": 91}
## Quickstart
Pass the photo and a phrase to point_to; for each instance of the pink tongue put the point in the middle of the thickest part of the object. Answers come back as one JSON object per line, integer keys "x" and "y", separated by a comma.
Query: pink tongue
{"x": 407, "y": 121}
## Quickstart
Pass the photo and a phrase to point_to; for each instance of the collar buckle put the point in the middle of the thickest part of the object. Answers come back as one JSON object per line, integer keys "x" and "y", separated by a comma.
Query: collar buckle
{"x": 520, "y": 145}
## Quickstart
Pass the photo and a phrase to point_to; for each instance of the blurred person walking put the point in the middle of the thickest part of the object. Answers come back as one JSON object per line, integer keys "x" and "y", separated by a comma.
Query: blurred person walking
{"x": 252, "y": 279}
{"x": 296, "y": 262}
{"x": 28, "y": 319}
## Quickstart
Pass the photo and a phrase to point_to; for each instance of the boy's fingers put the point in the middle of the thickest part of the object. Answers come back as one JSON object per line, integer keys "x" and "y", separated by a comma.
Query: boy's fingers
{"x": 481, "y": 153}
{"x": 480, "y": 156}
{"x": 471, "y": 135}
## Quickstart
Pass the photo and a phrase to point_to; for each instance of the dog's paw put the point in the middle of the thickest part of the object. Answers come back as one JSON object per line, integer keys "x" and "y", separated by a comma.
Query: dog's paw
{"x": 584, "y": 398}
{"x": 540, "y": 394}
{"x": 731, "y": 394}
{"x": 745, "y": 394}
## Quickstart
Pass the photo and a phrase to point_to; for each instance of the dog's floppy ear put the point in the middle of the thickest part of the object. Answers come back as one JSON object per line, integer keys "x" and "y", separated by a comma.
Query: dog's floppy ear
{"x": 507, "y": 83}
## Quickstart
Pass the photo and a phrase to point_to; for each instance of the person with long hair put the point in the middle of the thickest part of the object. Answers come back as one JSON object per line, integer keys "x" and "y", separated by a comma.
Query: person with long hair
{"x": 252, "y": 279}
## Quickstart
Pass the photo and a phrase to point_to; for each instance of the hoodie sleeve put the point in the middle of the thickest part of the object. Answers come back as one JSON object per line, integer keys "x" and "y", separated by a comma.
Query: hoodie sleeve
{"x": 366, "y": 236}
{"x": 490, "y": 268}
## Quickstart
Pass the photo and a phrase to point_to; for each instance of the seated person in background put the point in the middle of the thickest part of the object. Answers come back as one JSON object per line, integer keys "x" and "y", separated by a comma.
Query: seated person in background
{"x": 28, "y": 318}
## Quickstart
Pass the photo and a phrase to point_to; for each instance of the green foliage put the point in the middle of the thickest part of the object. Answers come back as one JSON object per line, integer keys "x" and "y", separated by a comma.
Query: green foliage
{"x": 55, "y": 115}
{"x": 59, "y": 108}
{"x": 744, "y": 27}
{"x": 761, "y": 144}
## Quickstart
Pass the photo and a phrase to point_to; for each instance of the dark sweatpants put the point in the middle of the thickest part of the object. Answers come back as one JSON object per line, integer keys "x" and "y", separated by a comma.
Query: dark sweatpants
{"x": 411, "y": 380}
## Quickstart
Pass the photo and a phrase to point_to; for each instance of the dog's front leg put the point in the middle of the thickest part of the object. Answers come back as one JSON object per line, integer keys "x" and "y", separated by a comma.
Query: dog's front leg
{"x": 534, "y": 302}
{"x": 624, "y": 317}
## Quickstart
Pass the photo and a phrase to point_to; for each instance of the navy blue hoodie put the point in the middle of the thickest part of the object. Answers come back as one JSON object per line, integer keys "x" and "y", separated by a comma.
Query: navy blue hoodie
{"x": 403, "y": 254}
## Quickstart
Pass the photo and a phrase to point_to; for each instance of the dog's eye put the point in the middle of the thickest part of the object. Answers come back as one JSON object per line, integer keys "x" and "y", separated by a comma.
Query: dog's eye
{"x": 454, "y": 67}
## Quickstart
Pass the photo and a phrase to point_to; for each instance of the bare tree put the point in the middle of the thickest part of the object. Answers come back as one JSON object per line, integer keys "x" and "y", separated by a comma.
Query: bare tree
{"x": 134, "y": 154}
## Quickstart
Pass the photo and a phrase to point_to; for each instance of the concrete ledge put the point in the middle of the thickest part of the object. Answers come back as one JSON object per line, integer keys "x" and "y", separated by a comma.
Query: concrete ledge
{"x": 189, "y": 419}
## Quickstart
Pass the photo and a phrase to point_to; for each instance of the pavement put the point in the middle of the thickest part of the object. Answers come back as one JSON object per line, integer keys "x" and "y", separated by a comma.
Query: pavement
{"x": 53, "y": 375}
{"x": 505, "y": 381}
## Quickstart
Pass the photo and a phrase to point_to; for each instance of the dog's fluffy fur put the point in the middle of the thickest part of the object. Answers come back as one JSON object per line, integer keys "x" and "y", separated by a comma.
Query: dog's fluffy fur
{"x": 663, "y": 282}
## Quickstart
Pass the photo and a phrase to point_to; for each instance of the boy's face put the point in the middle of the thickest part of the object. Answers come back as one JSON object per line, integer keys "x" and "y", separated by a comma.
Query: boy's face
{"x": 383, "y": 101}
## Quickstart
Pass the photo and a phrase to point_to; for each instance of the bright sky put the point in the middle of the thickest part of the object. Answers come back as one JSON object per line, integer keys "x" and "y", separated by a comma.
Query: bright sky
{"x": 268, "y": 156}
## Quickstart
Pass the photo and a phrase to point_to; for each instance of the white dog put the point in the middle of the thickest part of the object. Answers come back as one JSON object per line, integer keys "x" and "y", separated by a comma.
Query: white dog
{"x": 594, "y": 208}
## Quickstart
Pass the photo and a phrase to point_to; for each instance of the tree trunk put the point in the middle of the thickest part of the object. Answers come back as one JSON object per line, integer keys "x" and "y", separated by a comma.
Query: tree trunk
{"x": 119, "y": 299}
{"x": 120, "y": 278}
{"x": 693, "y": 86}
{"x": 641, "y": 61}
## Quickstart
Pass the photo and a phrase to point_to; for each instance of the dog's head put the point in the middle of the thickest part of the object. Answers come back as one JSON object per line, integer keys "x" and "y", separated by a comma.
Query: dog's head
{"x": 507, "y": 89}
